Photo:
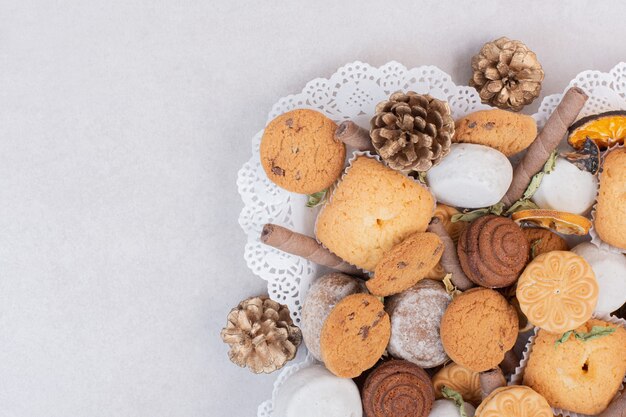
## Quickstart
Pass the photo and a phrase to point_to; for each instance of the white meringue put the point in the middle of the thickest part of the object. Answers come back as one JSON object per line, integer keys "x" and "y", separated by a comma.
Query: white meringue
{"x": 610, "y": 271}
{"x": 313, "y": 391}
{"x": 567, "y": 188}
{"x": 447, "y": 408}
{"x": 471, "y": 176}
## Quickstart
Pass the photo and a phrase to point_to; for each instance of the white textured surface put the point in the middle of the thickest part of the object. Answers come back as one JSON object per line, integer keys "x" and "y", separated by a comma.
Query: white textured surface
{"x": 122, "y": 127}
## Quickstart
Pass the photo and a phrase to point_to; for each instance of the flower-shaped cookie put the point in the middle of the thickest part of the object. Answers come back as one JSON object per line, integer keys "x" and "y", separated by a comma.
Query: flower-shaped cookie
{"x": 558, "y": 291}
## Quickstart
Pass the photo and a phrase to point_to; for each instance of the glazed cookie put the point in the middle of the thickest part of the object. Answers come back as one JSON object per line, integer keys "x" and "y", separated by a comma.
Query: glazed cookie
{"x": 493, "y": 251}
{"x": 557, "y": 291}
{"x": 405, "y": 264}
{"x": 514, "y": 401}
{"x": 541, "y": 241}
{"x": 354, "y": 335}
{"x": 314, "y": 392}
{"x": 320, "y": 300}
{"x": 505, "y": 131}
{"x": 478, "y": 328}
{"x": 398, "y": 388}
{"x": 299, "y": 151}
{"x": 610, "y": 216}
{"x": 372, "y": 209}
{"x": 415, "y": 319}
{"x": 462, "y": 380}
{"x": 579, "y": 376}
{"x": 610, "y": 271}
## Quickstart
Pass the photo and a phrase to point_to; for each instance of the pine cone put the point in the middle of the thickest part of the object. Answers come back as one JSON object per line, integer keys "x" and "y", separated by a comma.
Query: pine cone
{"x": 261, "y": 335}
{"x": 506, "y": 74}
{"x": 412, "y": 132}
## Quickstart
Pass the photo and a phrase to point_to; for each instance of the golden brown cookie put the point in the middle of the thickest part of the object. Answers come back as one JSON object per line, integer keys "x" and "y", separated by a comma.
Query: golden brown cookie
{"x": 557, "y": 291}
{"x": 543, "y": 240}
{"x": 503, "y": 130}
{"x": 514, "y": 401}
{"x": 355, "y": 335}
{"x": 372, "y": 208}
{"x": 462, "y": 380}
{"x": 610, "y": 217}
{"x": 579, "y": 376}
{"x": 299, "y": 151}
{"x": 405, "y": 264}
{"x": 445, "y": 213}
{"x": 478, "y": 328}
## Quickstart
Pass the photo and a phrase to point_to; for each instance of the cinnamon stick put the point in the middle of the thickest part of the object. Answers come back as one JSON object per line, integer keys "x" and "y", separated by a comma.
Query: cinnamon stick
{"x": 509, "y": 363}
{"x": 301, "y": 245}
{"x": 551, "y": 135}
{"x": 354, "y": 135}
{"x": 617, "y": 407}
{"x": 449, "y": 258}
{"x": 490, "y": 380}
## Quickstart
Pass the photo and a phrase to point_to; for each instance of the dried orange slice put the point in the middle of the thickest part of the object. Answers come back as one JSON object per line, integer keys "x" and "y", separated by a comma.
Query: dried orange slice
{"x": 559, "y": 221}
{"x": 605, "y": 129}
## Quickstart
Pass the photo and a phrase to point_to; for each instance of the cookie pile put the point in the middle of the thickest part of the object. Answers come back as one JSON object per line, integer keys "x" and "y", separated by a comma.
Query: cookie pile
{"x": 442, "y": 267}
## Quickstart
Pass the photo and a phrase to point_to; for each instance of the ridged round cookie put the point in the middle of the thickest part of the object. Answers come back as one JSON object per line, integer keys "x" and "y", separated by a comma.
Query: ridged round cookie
{"x": 503, "y": 130}
{"x": 541, "y": 241}
{"x": 610, "y": 216}
{"x": 493, "y": 251}
{"x": 478, "y": 328}
{"x": 405, "y": 264}
{"x": 445, "y": 213}
{"x": 514, "y": 401}
{"x": 415, "y": 320}
{"x": 354, "y": 335}
{"x": 460, "y": 379}
{"x": 579, "y": 376}
{"x": 398, "y": 388}
{"x": 320, "y": 299}
{"x": 557, "y": 291}
{"x": 299, "y": 151}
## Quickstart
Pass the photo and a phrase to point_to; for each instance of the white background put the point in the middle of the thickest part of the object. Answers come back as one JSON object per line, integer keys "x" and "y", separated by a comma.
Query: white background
{"x": 122, "y": 127}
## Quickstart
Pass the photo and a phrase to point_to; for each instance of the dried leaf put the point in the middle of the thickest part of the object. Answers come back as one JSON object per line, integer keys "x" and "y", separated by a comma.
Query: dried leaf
{"x": 563, "y": 338}
{"x": 469, "y": 216}
{"x": 520, "y": 205}
{"x": 450, "y": 288}
{"x": 533, "y": 248}
{"x": 453, "y": 395}
{"x": 421, "y": 177}
{"x": 550, "y": 164}
{"x": 316, "y": 199}
{"x": 596, "y": 332}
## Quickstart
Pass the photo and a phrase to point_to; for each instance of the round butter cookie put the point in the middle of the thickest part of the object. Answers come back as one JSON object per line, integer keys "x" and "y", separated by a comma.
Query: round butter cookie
{"x": 299, "y": 151}
{"x": 405, "y": 264}
{"x": 610, "y": 215}
{"x": 478, "y": 328}
{"x": 503, "y": 130}
{"x": 557, "y": 291}
{"x": 354, "y": 335}
{"x": 320, "y": 299}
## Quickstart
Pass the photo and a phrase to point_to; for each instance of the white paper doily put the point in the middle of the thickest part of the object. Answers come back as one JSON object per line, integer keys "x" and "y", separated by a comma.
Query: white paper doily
{"x": 352, "y": 93}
